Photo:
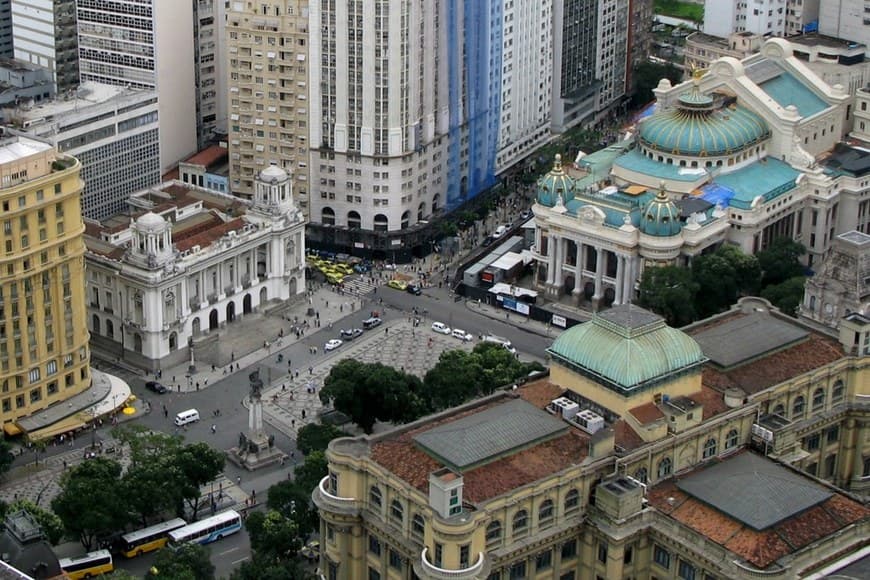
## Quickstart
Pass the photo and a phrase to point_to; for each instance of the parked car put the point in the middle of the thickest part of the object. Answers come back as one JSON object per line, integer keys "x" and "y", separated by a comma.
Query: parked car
{"x": 487, "y": 241}
{"x": 332, "y": 345}
{"x": 156, "y": 387}
{"x": 351, "y": 333}
{"x": 440, "y": 328}
{"x": 461, "y": 335}
{"x": 372, "y": 322}
{"x": 526, "y": 215}
{"x": 398, "y": 284}
{"x": 499, "y": 231}
{"x": 414, "y": 289}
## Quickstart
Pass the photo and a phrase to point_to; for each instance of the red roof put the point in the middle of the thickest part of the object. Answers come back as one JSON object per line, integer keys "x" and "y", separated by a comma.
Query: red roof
{"x": 646, "y": 413}
{"x": 209, "y": 156}
{"x": 205, "y": 237}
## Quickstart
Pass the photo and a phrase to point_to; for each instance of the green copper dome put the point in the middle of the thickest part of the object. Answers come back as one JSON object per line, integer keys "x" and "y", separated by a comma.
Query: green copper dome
{"x": 694, "y": 128}
{"x": 660, "y": 216}
{"x": 626, "y": 348}
{"x": 555, "y": 184}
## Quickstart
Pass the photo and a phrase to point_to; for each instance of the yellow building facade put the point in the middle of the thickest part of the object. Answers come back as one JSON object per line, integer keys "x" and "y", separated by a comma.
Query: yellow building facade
{"x": 44, "y": 356}
{"x": 517, "y": 486}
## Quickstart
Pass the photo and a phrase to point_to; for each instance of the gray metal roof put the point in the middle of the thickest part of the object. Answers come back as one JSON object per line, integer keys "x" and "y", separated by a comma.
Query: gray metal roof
{"x": 763, "y": 70}
{"x": 754, "y": 491}
{"x": 489, "y": 434}
{"x": 747, "y": 337}
{"x": 629, "y": 316}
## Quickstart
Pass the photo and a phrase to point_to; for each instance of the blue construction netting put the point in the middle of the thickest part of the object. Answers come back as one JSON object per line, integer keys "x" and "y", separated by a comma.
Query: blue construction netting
{"x": 717, "y": 194}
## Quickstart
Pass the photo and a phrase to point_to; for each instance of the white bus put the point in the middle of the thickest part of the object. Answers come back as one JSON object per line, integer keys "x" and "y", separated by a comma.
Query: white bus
{"x": 90, "y": 565}
{"x": 207, "y": 530}
{"x": 150, "y": 538}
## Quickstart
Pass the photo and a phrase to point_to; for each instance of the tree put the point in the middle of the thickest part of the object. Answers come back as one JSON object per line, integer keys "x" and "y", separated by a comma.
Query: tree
{"x": 787, "y": 295}
{"x": 780, "y": 261}
{"x": 90, "y": 502}
{"x": 146, "y": 445}
{"x": 49, "y": 522}
{"x": 646, "y": 76}
{"x": 197, "y": 464}
{"x": 316, "y": 437}
{"x": 119, "y": 574}
{"x": 6, "y": 457}
{"x": 308, "y": 475}
{"x": 187, "y": 562}
{"x": 149, "y": 489}
{"x": 670, "y": 292}
{"x": 260, "y": 567}
{"x": 747, "y": 270}
{"x": 455, "y": 378}
{"x": 294, "y": 502}
{"x": 722, "y": 276}
{"x": 273, "y": 535}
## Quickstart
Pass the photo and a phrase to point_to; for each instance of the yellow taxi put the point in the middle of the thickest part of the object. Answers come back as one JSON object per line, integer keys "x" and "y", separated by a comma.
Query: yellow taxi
{"x": 398, "y": 284}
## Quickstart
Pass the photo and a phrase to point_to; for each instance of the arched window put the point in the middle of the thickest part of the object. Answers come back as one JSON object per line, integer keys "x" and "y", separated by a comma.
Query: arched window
{"x": 665, "y": 468}
{"x": 375, "y": 497}
{"x": 641, "y": 475}
{"x": 838, "y": 392}
{"x": 354, "y": 222}
{"x": 545, "y": 513}
{"x": 173, "y": 341}
{"x": 709, "y": 448}
{"x": 779, "y": 410}
{"x": 493, "y": 533}
{"x": 436, "y": 199}
{"x": 418, "y": 525}
{"x": 381, "y": 223}
{"x": 521, "y": 522}
{"x": 812, "y": 303}
{"x": 95, "y": 324}
{"x": 797, "y": 408}
{"x": 406, "y": 219}
{"x": 110, "y": 330}
{"x": 731, "y": 439}
{"x": 397, "y": 512}
{"x": 819, "y": 399}
{"x": 327, "y": 216}
{"x": 421, "y": 211}
{"x": 572, "y": 501}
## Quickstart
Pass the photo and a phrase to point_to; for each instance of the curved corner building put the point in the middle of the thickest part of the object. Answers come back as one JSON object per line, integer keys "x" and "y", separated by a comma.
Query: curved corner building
{"x": 44, "y": 355}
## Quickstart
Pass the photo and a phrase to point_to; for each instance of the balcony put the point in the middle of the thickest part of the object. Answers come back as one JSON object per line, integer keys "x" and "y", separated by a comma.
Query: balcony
{"x": 328, "y": 501}
{"x": 194, "y": 303}
{"x": 212, "y": 298}
{"x": 429, "y": 570}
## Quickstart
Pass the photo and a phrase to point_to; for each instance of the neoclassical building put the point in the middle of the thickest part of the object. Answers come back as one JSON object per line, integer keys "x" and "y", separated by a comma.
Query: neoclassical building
{"x": 716, "y": 451}
{"x": 741, "y": 154}
{"x": 189, "y": 261}
{"x": 842, "y": 284}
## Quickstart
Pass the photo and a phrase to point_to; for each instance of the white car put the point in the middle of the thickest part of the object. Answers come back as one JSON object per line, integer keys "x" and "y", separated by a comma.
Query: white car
{"x": 462, "y": 335}
{"x": 332, "y": 345}
{"x": 440, "y": 328}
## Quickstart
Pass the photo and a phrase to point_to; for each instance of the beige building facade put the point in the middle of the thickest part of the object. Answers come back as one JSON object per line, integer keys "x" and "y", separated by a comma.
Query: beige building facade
{"x": 44, "y": 354}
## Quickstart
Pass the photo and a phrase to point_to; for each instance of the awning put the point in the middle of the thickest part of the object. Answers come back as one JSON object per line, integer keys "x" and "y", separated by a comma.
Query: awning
{"x": 63, "y": 426}
{"x": 11, "y": 429}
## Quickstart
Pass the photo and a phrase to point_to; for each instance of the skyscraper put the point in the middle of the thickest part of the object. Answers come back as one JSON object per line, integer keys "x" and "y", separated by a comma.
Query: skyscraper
{"x": 44, "y": 33}
{"x": 44, "y": 353}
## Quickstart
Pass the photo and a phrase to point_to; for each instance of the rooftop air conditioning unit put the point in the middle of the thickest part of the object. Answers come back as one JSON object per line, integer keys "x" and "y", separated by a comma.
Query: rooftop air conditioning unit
{"x": 589, "y": 421}
{"x": 565, "y": 406}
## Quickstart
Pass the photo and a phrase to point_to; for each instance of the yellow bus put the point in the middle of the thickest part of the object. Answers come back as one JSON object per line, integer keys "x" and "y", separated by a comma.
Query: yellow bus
{"x": 150, "y": 538}
{"x": 90, "y": 565}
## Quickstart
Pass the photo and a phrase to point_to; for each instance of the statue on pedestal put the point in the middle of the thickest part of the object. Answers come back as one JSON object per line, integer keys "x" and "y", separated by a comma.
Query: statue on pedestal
{"x": 256, "y": 449}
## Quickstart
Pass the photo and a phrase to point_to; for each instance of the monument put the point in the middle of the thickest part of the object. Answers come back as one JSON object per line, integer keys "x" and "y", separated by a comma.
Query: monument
{"x": 255, "y": 449}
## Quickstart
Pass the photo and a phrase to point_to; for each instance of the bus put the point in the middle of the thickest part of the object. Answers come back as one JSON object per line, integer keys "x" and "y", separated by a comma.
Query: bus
{"x": 90, "y": 565}
{"x": 150, "y": 538}
{"x": 208, "y": 530}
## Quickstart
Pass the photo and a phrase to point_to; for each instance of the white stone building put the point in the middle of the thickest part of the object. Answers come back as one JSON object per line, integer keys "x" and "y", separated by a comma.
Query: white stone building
{"x": 744, "y": 154}
{"x": 841, "y": 286}
{"x": 188, "y": 263}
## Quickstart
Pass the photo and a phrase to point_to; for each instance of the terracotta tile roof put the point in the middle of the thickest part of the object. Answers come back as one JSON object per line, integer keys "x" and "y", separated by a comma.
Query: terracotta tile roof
{"x": 539, "y": 393}
{"x": 169, "y": 175}
{"x": 753, "y": 377}
{"x": 759, "y": 548}
{"x": 93, "y": 229}
{"x": 626, "y": 437}
{"x": 711, "y": 399}
{"x": 210, "y": 235}
{"x": 646, "y": 413}
{"x": 208, "y": 156}
{"x": 401, "y": 456}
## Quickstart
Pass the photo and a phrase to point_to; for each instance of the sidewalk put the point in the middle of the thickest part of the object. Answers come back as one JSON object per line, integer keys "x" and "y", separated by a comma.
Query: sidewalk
{"x": 515, "y": 319}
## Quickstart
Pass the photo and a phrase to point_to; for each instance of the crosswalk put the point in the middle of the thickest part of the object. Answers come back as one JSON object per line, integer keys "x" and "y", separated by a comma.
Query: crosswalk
{"x": 358, "y": 285}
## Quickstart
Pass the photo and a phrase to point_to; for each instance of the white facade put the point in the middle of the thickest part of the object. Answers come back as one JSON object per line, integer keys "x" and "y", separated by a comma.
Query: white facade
{"x": 152, "y": 299}
{"x": 44, "y": 33}
{"x": 764, "y": 17}
{"x": 846, "y": 19}
{"x": 211, "y": 66}
{"x": 114, "y": 132}
{"x": 145, "y": 44}
{"x": 612, "y": 50}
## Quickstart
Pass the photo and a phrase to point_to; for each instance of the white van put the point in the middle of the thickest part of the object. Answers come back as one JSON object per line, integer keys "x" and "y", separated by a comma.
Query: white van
{"x": 499, "y": 231}
{"x": 185, "y": 417}
{"x": 502, "y": 341}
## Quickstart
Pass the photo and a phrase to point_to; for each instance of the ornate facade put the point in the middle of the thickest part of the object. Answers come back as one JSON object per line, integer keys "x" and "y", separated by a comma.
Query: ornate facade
{"x": 616, "y": 466}
{"x": 842, "y": 284}
{"x": 190, "y": 261}
{"x": 732, "y": 155}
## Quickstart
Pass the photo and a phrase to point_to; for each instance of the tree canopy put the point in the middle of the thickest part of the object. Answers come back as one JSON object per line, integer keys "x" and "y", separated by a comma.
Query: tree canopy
{"x": 780, "y": 261}
{"x": 669, "y": 291}
{"x": 316, "y": 437}
{"x": 187, "y": 562}
{"x": 787, "y": 295}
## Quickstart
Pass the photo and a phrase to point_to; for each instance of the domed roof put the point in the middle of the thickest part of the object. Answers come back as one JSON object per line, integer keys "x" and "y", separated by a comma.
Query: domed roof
{"x": 626, "y": 347}
{"x": 150, "y": 221}
{"x": 555, "y": 184}
{"x": 694, "y": 128}
{"x": 660, "y": 216}
{"x": 272, "y": 174}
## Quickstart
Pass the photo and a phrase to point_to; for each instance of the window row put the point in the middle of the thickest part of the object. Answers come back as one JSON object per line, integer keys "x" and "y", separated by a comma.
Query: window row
{"x": 819, "y": 400}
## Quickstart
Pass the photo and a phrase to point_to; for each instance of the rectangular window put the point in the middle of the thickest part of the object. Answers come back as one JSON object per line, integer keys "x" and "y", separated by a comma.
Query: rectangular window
{"x": 602, "y": 552}
{"x": 687, "y": 571}
{"x": 544, "y": 560}
{"x": 569, "y": 549}
{"x": 812, "y": 442}
{"x": 395, "y": 560}
{"x": 34, "y": 375}
{"x": 35, "y": 395}
{"x": 833, "y": 434}
{"x": 662, "y": 557}
{"x": 51, "y": 367}
{"x": 518, "y": 571}
{"x": 439, "y": 554}
{"x": 374, "y": 574}
{"x": 464, "y": 551}
{"x": 374, "y": 545}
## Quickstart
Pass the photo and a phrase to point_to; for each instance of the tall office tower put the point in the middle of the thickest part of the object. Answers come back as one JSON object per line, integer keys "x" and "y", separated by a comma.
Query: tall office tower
{"x": 210, "y": 56}
{"x": 145, "y": 44}
{"x": 6, "y": 29}
{"x": 44, "y": 33}
{"x": 268, "y": 93}
{"x": 575, "y": 46}
{"x": 415, "y": 107}
{"x": 640, "y": 14}
{"x": 763, "y": 17}
{"x": 613, "y": 28}
{"x": 44, "y": 354}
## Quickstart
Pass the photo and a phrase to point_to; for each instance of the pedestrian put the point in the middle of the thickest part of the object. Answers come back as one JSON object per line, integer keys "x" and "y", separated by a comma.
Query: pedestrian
{"x": 213, "y": 429}
{"x": 310, "y": 370}
{"x": 212, "y": 368}
{"x": 303, "y": 413}
{"x": 165, "y": 412}
{"x": 239, "y": 480}
{"x": 197, "y": 385}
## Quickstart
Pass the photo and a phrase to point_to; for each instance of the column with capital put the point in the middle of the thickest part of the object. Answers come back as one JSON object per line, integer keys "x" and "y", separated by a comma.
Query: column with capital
{"x": 619, "y": 285}
{"x": 599, "y": 272}
{"x": 551, "y": 259}
{"x": 628, "y": 283}
{"x": 578, "y": 274}
{"x": 560, "y": 260}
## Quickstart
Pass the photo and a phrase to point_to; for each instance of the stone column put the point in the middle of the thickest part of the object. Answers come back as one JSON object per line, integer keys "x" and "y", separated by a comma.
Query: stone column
{"x": 628, "y": 284}
{"x": 619, "y": 287}
{"x": 560, "y": 260}
{"x": 578, "y": 274}
{"x": 551, "y": 259}
{"x": 599, "y": 272}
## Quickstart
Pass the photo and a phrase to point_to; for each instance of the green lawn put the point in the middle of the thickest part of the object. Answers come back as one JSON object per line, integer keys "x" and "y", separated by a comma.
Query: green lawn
{"x": 677, "y": 9}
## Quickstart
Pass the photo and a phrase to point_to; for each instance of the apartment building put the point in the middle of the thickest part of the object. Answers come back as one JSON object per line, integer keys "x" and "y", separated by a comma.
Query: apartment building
{"x": 44, "y": 356}
{"x": 268, "y": 100}
{"x": 764, "y": 17}
{"x": 210, "y": 56}
{"x": 113, "y": 131}
{"x": 145, "y": 44}
{"x": 44, "y": 33}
